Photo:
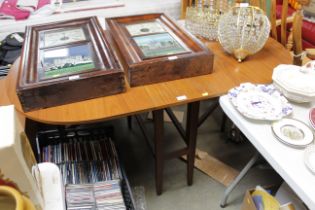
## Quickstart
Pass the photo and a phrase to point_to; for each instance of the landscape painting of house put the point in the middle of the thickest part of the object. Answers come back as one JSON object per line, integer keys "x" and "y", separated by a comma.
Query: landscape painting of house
{"x": 67, "y": 61}
{"x": 162, "y": 44}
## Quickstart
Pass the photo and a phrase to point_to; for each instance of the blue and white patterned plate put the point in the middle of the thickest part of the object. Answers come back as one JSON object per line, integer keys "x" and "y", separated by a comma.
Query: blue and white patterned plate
{"x": 260, "y": 102}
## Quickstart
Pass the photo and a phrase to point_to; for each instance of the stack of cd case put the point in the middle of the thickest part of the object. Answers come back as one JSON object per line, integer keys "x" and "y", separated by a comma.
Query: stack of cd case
{"x": 4, "y": 70}
{"x": 101, "y": 195}
{"x": 89, "y": 164}
{"x": 82, "y": 162}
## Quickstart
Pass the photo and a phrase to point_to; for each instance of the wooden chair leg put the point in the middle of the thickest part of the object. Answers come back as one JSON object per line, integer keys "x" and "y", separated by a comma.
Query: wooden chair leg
{"x": 297, "y": 36}
{"x": 159, "y": 152}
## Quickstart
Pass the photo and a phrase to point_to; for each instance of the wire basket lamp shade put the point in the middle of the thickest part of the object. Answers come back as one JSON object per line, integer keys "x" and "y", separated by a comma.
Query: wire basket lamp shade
{"x": 243, "y": 31}
{"x": 202, "y": 17}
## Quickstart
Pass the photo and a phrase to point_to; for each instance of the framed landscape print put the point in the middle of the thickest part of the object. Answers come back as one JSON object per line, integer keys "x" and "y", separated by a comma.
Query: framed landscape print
{"x": 153, "y": 39}
{"x": 162, "y": 44}
{"x": 153, "y": 48}
{"x": 66, "y": 62}
{"x": 65, "y": 51}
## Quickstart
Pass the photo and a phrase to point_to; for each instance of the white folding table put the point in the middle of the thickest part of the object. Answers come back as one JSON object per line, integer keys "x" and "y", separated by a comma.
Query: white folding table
{"x": 287, "y": 161}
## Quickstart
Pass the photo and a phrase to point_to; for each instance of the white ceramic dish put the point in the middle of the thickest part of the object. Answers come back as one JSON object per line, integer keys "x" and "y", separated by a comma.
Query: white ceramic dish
{"x": 295, "y": 82}
{"x": 295, "y": 97}
{"x": 309, "y": 158}
{"x": 260, "y": 102}
{"x": 292, "y": 132}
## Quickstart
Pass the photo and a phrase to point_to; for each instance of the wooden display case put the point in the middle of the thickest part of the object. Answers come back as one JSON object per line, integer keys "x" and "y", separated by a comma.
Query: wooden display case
{"x": 66, "y": 62}
{"x": 154, "y": 49}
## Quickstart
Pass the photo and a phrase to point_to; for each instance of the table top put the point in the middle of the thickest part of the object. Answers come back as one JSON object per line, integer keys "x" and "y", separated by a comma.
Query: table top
{"x": 287, "y": 161}
{"x": 227, "y": 74}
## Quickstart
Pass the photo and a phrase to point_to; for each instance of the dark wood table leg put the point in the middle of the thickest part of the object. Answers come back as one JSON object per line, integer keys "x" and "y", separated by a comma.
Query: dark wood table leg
{"x": 129, "y": 121}
{"x": 191, "y": 136}
{"x": 208, "y": 112}
{"x": 159, "y": 152}
{"x": 223, "y": 123}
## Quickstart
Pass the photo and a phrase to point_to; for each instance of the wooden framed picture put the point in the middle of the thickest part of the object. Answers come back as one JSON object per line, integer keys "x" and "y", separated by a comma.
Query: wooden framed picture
{"x": 72, "y": 59}
{"x": 156, "y": 45}
{"x": 153, "y": 48}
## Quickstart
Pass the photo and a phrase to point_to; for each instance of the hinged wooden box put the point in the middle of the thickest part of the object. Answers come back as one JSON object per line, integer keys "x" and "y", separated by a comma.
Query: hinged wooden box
{"x": 154, "y": 49}
{"x": 66, "y": 62}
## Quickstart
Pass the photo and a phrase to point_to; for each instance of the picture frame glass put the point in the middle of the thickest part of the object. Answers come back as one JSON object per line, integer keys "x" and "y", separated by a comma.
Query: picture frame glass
{"x": 144, "y": 28}
{"x": 156, "y": 45}
{"x": 66, "y": 61}
{"x": 62, "y": 36}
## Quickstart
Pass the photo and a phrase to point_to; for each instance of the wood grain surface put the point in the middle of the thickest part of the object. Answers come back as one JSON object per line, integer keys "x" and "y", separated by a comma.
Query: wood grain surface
{"x": 4, "y": 100}
{"x": 227, "y": 74}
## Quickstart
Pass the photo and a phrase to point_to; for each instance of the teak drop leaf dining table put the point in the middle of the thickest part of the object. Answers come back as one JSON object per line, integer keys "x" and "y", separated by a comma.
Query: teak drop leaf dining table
{"x": 227, "y": 73}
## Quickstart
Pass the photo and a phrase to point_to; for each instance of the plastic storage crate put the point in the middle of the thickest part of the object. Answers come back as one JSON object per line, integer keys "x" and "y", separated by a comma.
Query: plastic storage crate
{"x": 85, "y": 133}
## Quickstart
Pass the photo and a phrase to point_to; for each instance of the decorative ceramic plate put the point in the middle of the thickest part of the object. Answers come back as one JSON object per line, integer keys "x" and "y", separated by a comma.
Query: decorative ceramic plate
{"x": 309, "y": 158}
{"x": 260, "y": 102}
{"x": 312, "y": 117}
{"x": 292, "y": 132}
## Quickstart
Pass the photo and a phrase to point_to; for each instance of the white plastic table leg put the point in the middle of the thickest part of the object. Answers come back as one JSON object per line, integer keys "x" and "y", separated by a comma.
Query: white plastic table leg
{"x": 244, "y": 171}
